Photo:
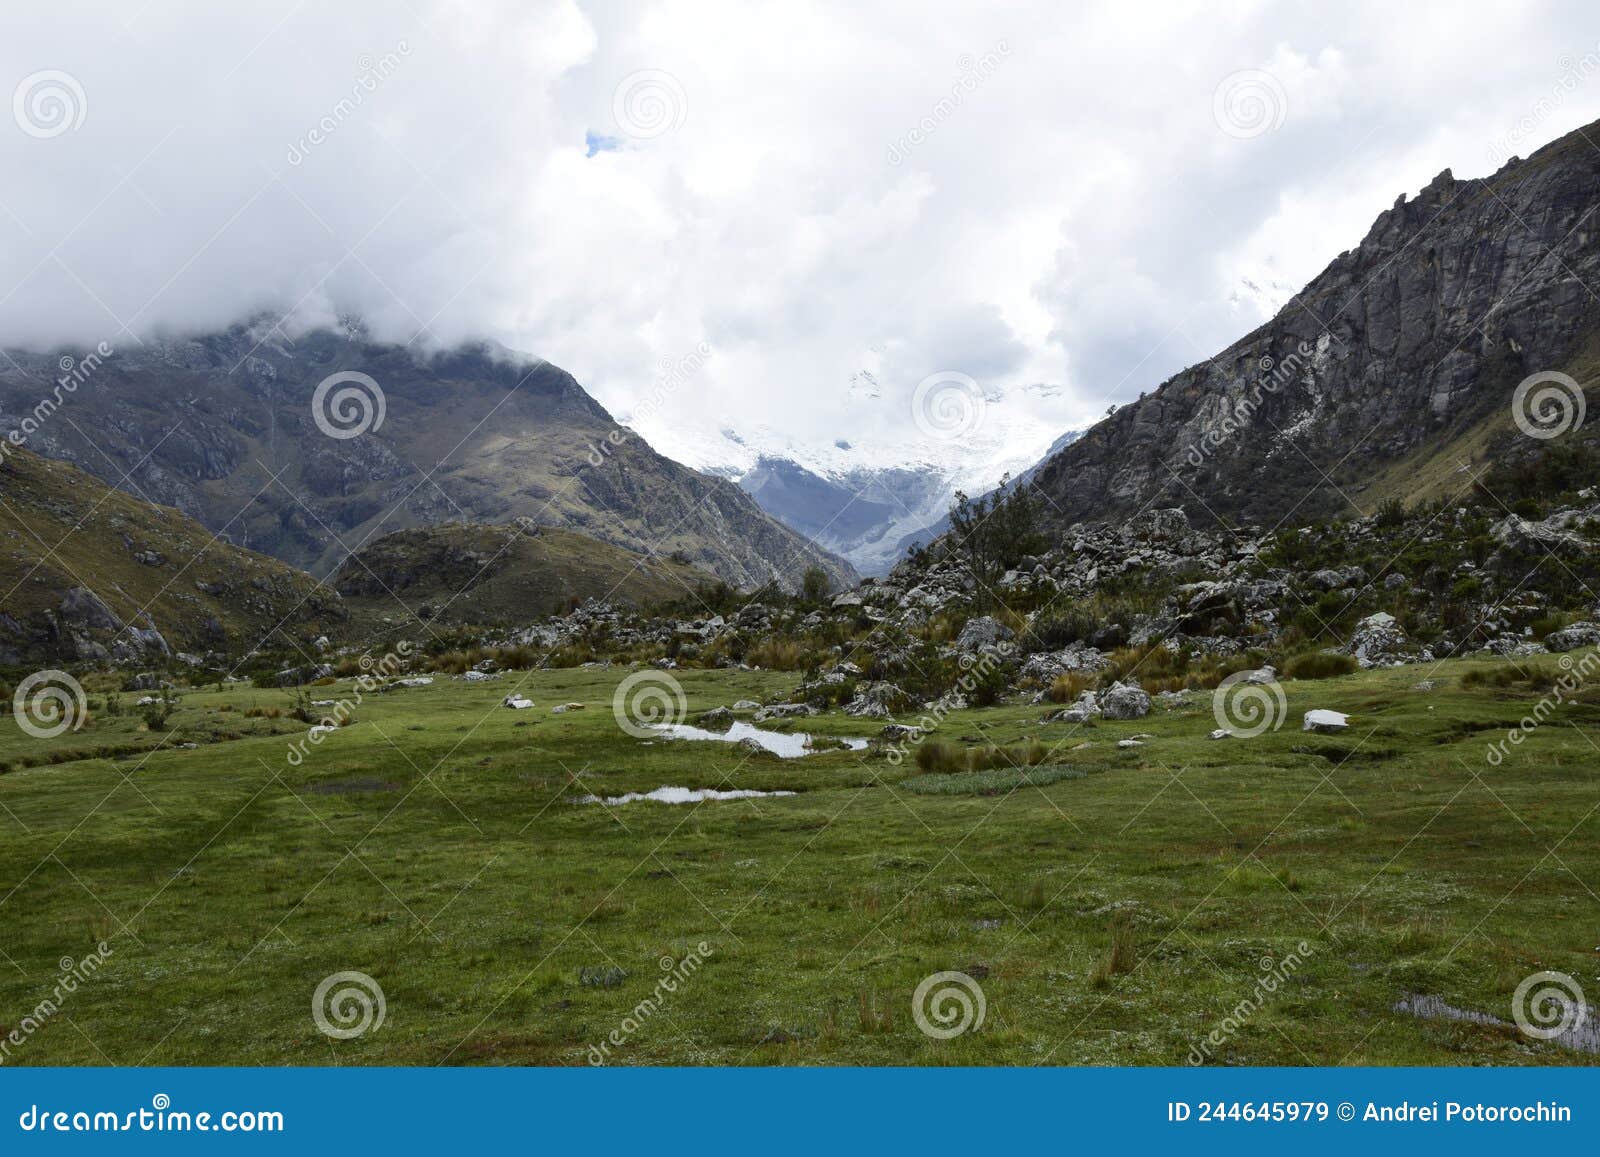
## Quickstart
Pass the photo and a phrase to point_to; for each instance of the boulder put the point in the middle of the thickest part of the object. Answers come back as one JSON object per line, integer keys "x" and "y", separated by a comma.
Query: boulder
{"x": 1582, "y": 634}
{"x": 983, "y": 631}
{"x": 877, "y": 701}
{"x": 718, "y": 717}
{"x": 1125, "y": 701}
{"x": 1336, "y": 579}
{"x": 1378, "y": 639}
{"x": 1325, "y": 721}
{"x": 784, "y": 711}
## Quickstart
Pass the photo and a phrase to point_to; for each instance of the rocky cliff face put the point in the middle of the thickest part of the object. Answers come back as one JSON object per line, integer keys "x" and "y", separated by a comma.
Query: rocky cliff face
{"x": 1408, "y": 346}
{"x": 224, "y": 428}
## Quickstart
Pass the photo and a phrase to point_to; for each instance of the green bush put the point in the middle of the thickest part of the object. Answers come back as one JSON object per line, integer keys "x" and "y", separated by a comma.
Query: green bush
{"x": 1319, "y": 665}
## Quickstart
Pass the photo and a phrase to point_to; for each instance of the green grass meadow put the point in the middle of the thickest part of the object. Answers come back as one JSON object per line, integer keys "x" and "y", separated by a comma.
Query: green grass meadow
{"x": 1113, "y": 911}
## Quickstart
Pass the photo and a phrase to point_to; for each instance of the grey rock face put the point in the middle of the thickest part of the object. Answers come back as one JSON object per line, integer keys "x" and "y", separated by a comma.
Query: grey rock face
{"x": 1411, "y": 334}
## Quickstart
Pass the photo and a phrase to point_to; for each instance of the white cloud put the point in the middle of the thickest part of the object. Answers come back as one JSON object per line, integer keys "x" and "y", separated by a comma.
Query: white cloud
{"x": 1064, "y": 210}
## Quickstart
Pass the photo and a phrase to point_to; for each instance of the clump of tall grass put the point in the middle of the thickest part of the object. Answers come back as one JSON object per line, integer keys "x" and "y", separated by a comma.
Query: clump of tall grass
{"x": 1320, "y": 665}
{"x": 1066, "y": 687}
{"x": 1121, "y": 956}
{"x": 1508, "y": 675}
{"x": 938, "y": 756}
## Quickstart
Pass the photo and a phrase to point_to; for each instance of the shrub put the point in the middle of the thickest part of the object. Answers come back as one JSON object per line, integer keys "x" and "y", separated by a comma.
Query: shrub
{"x": 1391, "y": 513}
{"x": 1078, "y": 624}
{"x": 1068, "y": 686}
{"x": 1319, "y": 665}
{"x": 815, "y": 585}
{"x": 159, "y": 711}
{"x": 938, "y": 756}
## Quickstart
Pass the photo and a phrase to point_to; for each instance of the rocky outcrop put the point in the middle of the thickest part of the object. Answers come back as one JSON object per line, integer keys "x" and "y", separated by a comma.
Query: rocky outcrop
{"x": 1415, "y": 335}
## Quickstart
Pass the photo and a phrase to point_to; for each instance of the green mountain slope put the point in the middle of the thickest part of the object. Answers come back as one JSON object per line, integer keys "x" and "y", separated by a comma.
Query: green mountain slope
{"x": 89, "y": 573}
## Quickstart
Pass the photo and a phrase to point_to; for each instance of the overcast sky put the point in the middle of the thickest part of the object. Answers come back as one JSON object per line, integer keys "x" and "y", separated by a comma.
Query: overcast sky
{"x": 1076, "y": 195}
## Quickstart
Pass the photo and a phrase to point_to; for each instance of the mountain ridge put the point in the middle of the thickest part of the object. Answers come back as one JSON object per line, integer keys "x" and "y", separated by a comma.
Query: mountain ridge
{"x": 1402, "y": 347}
{"x": 222, "y": 427}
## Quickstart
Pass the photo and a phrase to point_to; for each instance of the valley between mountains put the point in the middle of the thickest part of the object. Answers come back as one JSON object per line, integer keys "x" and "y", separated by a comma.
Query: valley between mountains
{"x": 328, "y": 653}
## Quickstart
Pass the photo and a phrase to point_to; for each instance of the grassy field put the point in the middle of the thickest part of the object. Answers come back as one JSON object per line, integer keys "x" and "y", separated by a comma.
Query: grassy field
{"x": 1115, "y": 916}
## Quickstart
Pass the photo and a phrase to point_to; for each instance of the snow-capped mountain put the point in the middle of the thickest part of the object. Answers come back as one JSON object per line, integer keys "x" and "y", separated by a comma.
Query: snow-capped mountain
{"x": 862, "y": 497}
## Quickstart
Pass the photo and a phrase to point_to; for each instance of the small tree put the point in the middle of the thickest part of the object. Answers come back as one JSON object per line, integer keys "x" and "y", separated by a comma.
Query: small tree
{"x": 159, "y": 710}
{"x": 995, "y": 530}
{"x": 815, "y": 585}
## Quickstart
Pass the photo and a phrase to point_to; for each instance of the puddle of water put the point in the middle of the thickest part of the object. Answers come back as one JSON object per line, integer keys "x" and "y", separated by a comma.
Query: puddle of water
{"x": 1584, "y": 1035}
{"x": 678, "y": 795}
{"x": 790, "y": 745}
